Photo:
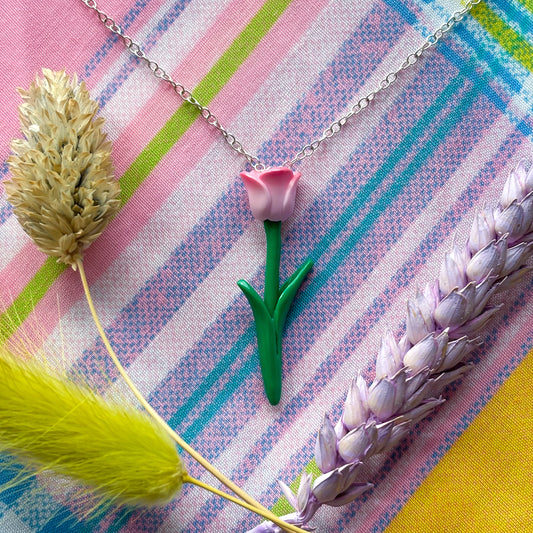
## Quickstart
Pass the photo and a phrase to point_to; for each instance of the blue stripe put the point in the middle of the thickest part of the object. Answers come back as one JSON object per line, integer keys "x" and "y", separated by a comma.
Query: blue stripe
{"x": 320, "y": 280}
{"x": 133, "y": 63}
{"x": 104, "y": 50}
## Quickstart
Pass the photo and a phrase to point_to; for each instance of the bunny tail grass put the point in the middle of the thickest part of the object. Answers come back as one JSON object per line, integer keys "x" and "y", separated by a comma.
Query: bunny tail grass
{"x": 252, "y": 504}
{"x": 51, "y": 424}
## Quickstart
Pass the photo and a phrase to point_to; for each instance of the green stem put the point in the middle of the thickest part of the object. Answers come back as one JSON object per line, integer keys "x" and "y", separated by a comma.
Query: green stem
{"x": 273, "y": 238}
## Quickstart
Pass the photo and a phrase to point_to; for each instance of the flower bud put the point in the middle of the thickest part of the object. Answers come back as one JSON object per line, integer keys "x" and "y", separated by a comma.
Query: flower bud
{"x": 424, "y": 354}
{"x": 420, "y": 412}
{"x": 326, "y": 446}
{"x": 451, "y": 312}
{"x": 527, "y": 178}
{"x": 304, "y": 491}
{"x": 271, "y": 192}
{"x": 446, "y": 378}
{"x": 451, "y": 274}
{"x": 512, "y": 280}
{"x": 510, "y": 221}
{"x": 384, "y": 432}
{"x": 385, "y": 396}
{"x": 513, "y": 188}
{"x": 516, "y": 257}
{"x": 399, "y": 432}
{"x": 358, "y": 442}
{"x": 389, "y": 359}
{"x": 355, "y": 406}
{"x": 432, "y": 294}
{"x": 287, "y": 492}
{"x": 351, "y": 494}
{"x": 456, "y": 352}
{"x": 488, "y": 261}
{"x": 527, "y": 207}
{"x": 473, "y": 327}
{"x": 328, "y": 486}
{"x": 415, "y": 381}
{"x": 483, "y": 293}
{"x": 340, "y": 429}
{"x": 419, "y": 318}
{"x": 482, "y": 232}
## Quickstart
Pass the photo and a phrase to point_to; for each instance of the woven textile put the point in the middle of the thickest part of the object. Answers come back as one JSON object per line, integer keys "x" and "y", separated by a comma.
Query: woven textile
{"x": 378, "y": 206}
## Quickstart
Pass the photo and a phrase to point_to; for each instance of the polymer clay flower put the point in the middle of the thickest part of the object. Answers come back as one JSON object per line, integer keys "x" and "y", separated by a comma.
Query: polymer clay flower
{"x": 271, "y": 192}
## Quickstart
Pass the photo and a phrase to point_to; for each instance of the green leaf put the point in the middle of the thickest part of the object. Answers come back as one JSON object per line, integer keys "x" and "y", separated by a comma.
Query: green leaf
{"x": 267, "y": 342}
{"x": 307, "y": 265}
{"x": 288, "y": 292}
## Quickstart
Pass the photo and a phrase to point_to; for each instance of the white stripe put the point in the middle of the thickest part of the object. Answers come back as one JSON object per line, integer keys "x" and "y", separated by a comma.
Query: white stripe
{"x": 10, "y": 522}
{"x": 13, "y": 239}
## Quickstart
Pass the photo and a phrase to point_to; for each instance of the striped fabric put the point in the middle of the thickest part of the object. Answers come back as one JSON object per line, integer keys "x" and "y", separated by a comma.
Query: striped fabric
{"x": 378, "y": 206}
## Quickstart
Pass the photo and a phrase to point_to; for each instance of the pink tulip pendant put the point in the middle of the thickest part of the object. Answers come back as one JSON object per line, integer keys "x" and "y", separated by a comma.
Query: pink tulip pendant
{"x": 271, "y": 194}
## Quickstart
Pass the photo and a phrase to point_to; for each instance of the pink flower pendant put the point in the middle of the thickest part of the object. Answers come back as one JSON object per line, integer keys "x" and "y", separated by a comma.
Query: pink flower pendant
{"x": 272, "y": 193}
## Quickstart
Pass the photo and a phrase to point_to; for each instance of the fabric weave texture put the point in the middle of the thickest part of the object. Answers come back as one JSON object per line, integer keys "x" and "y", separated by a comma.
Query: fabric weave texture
{"x": 377, "y": 207}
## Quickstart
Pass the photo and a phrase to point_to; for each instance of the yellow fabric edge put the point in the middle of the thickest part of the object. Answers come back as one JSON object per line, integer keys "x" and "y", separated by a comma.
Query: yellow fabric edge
{"x": 484, "y": 483}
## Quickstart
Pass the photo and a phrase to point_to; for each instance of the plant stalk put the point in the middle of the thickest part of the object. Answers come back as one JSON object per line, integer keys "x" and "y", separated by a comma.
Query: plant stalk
{"x": 269, "y": 516}
{"x": 273, "y": 257}
{"x": 253, "y": 504}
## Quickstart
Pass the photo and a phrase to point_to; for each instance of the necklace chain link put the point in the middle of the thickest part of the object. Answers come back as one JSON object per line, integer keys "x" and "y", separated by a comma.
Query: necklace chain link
{"x": 333, "y": 129}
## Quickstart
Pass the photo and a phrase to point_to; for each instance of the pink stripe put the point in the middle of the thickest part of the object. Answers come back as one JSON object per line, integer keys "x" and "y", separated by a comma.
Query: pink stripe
{"x": 77, "y": 35}
{"x": 187, "y": 152}
{"x": 98, "y": 34}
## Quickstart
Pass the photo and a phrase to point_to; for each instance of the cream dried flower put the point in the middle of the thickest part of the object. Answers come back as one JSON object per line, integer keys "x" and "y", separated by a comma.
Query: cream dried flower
{"x": 62, "y": 187}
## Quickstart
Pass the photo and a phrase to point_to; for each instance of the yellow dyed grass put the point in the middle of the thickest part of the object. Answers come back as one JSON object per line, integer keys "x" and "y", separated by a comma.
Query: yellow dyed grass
{"x": 50, "y": 424}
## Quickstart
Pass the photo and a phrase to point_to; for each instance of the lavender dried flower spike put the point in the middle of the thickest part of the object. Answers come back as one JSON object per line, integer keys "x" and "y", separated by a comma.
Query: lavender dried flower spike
{"x": 443, "y": 323}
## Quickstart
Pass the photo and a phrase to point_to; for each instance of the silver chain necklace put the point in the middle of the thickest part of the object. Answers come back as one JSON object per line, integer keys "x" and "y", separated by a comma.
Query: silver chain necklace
{"x": 271, "y": 193}
{"x": 335, "y": 127}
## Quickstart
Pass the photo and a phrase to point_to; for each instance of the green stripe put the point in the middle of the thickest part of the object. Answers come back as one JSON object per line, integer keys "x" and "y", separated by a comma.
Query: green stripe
{"x": 528, "y": 4}
{"x": 25, "y": 302}
{"x": 511, "y": 41}
{"x": 155, "y": 150}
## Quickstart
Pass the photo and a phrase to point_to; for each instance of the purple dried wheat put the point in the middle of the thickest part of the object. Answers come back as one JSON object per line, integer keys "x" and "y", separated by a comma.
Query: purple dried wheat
{"x": 442, "y": 327}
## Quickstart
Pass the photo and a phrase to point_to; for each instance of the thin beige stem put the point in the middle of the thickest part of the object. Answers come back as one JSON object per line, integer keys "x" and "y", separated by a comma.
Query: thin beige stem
{"x": 269, "y": 515}
{"x": 191, "y": 451}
